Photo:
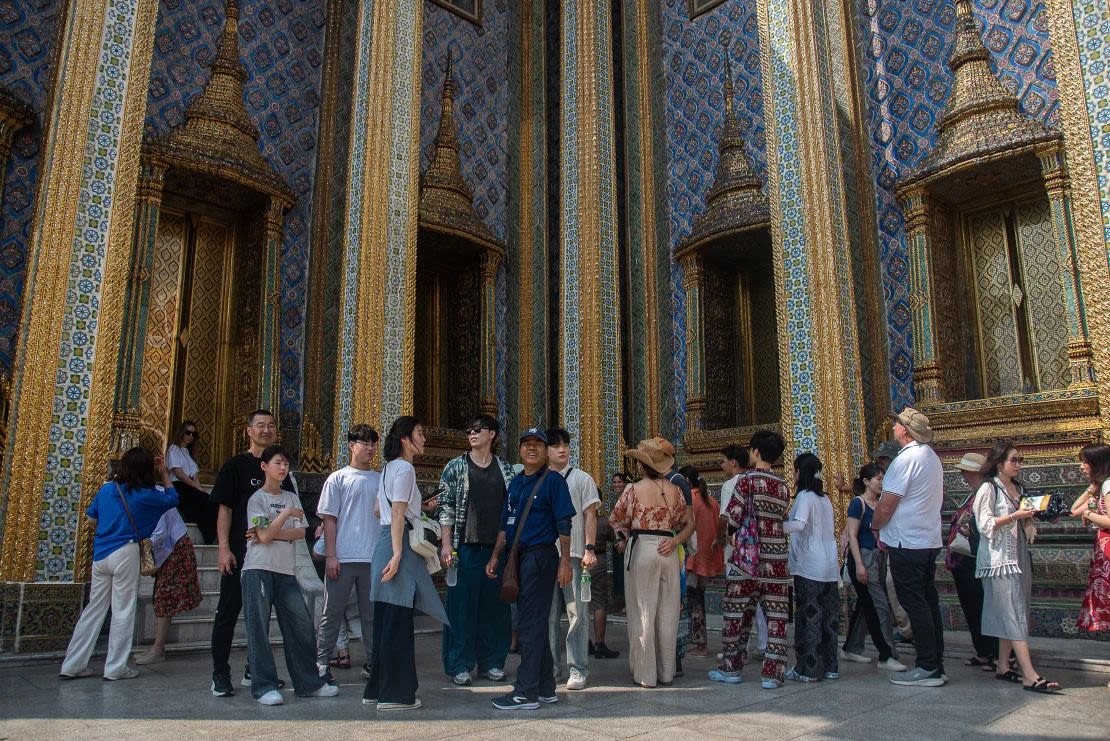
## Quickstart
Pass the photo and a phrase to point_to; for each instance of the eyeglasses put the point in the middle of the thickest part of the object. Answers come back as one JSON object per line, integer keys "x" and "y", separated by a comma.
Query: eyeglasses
{"x": 1017, "y": 459}
{"x": 476, "y": 430}
{"x": 264, "y": 426}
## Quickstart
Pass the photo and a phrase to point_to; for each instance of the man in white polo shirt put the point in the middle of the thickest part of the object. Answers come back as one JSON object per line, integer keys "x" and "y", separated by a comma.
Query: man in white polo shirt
{"x": 908, "y": 522}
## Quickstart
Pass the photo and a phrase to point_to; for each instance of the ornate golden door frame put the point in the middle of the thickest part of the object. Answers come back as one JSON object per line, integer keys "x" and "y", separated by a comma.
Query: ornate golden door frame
{"x": 210, "y": 165}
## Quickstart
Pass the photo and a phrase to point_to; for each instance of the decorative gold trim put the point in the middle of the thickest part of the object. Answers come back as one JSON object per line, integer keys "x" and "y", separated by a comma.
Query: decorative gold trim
{"x": 1086, "y": 212}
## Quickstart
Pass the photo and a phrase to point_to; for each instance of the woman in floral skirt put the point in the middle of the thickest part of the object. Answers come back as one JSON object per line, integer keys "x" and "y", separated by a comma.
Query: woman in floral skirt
{"x": 1092, "y": 507}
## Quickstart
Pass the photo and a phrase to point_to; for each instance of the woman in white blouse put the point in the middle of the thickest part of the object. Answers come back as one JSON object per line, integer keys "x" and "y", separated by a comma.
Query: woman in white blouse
{"x": 1004, "y": 566}
{"x": 193, "y": 500}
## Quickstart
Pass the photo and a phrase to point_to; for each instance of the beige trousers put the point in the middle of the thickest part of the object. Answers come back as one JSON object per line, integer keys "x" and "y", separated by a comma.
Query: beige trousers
{"x": 901, "y": 619}
{"x": 652, "y": 603}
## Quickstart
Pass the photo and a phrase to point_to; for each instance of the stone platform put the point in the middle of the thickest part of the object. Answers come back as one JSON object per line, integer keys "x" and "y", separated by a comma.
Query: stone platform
{"x": 172, "y": 700}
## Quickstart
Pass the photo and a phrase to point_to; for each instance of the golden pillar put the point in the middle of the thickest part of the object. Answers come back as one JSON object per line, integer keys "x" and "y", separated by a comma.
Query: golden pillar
{"x": 78, "y": 261}
{"x": 928, "y": 380}
{"x": 693, "y": 280}
{"x": 802, "y": 42}
{"x": 377, "y": 316}
{"x": 269, "y": 331}
{"x": 487, "y": 399}
{"x": 590, "y": 359}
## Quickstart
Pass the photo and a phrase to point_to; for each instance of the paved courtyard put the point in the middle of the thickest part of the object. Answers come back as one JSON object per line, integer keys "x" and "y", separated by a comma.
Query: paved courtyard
{"x": 172, "y": 700}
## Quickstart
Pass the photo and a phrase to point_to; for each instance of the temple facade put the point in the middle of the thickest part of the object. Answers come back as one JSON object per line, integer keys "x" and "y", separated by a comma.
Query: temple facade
{"x": 693, "y": 218}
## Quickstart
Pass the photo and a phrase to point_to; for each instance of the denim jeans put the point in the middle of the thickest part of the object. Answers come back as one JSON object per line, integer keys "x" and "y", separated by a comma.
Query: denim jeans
{"x": 263, "y": 590}
{"x": 576, "y": 649}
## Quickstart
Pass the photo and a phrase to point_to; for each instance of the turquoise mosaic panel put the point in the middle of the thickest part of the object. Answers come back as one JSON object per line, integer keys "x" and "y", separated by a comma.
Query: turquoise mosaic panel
{"x": 1092, "y": 31}
{"x": 693, "y": 61}
{"x": 348, "y": 301}
{"x": 65, "y": 454}
{"x": 568, "y": 289}
{"x": 790, "y": 203}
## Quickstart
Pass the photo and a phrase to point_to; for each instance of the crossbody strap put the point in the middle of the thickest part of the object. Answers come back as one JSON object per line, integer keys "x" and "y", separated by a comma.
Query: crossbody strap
{"x": 127, "y": 510}
{"x": 528, "y": 508}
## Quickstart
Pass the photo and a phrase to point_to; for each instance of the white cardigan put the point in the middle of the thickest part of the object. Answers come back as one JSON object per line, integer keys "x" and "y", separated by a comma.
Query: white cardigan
{"x": 998, "y": 544}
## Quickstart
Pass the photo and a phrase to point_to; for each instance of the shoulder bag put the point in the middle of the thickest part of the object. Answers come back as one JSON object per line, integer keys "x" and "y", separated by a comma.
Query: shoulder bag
{"x": 147, "y": 566}
{"x": 510, "y": 577}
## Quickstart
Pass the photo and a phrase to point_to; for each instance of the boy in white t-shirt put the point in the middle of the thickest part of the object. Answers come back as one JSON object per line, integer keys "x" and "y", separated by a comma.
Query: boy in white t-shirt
{"x": 275, "y": 522}
{"x": 350, "y": 533}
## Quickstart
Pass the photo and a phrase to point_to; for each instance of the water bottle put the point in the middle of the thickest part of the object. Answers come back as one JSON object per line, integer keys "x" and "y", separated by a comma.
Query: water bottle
{"x": 585, "y": 587}
{"x": 453, "y": 570}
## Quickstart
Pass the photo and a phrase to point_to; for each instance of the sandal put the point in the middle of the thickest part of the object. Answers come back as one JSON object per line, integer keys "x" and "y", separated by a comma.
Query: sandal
{"x": 1009, "y": 676}
{"x": 341, "y": 660}
{"x": 1043, "y": 685}
{"x": 988, "y": 665}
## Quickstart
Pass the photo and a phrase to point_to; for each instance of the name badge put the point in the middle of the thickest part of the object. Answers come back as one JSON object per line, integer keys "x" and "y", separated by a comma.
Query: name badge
{"x": 511, "y": 521}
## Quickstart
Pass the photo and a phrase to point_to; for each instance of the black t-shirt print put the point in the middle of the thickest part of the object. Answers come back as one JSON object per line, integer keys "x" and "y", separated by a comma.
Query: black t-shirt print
{"x": 236, "y": 482}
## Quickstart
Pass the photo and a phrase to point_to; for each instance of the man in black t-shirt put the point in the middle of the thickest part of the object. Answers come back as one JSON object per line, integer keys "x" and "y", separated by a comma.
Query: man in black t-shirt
{"x": 238, "y": 479}
{"x": 471, "y": 496}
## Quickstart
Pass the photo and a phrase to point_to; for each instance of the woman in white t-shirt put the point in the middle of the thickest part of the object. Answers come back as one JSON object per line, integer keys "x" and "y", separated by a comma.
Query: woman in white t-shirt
{"x": 193, "y": 501}
{"x": 404, "y": 584}
{"x": 813, "y": 564}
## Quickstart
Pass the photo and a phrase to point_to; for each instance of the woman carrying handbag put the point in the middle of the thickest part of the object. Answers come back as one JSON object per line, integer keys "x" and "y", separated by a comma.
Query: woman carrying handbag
{"x": 404, "y": 584}
{"x": 124, "y": 512}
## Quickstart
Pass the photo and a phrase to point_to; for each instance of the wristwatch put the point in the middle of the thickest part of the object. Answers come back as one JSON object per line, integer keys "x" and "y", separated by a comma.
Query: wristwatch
{"x": 589, "y": 546}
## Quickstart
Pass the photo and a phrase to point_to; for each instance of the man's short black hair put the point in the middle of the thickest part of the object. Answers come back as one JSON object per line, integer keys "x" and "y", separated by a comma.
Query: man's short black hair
{"x": 769, "y": 444}
{"x": 486, "y": 422}
{"x": 736, "y": 453}
{"x": 259, "y": 413}
{"x": 362, "y": 434}
{"x": 557, "y": 436}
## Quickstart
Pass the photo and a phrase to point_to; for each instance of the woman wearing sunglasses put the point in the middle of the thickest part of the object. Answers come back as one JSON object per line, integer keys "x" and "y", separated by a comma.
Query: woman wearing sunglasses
{"x": 1006, "y": 529}
{"x": 194, "y": 505}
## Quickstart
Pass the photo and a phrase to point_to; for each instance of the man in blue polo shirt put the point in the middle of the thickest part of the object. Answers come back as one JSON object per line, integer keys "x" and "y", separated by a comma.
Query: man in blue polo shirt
{"x": 549, "y": 520}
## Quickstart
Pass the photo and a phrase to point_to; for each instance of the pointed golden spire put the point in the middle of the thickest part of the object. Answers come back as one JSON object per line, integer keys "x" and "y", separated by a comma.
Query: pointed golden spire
{"x": 218, "y": 136}
{"x": 446, "y": 201}
{"x": 981, "y": 117}
{"x": 735, "y": 202}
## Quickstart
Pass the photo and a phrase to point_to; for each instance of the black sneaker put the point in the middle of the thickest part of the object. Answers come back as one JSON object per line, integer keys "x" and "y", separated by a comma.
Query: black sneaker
{"x": 513, "y": 701}
{"x": 365, "y": 670}
{"x": 246, "y": 680}
{"x": 601, "y": 651}
{"x": 221, "y": 686}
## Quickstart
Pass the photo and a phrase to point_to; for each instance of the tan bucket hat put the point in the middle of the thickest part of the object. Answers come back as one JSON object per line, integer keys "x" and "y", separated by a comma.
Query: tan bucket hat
{"x": 916, "y": 423}
{"x": 972, "y": 463}
{"x": 652, "y": 455}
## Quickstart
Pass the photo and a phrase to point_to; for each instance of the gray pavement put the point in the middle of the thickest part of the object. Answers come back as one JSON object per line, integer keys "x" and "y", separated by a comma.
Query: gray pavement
{"x": 172, "y": 700}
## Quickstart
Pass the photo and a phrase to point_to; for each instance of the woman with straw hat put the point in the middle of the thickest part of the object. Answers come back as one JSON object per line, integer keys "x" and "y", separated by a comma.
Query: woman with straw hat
{"x": 652, "y": 510}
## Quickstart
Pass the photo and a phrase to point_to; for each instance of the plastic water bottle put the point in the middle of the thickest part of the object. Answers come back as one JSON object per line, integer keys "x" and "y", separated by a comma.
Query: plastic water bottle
{"x": 453, "y": 570}
{"x": 586, "y": 592}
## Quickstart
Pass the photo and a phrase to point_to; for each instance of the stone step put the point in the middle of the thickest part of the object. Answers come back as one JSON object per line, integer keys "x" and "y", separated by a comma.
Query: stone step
{"x": 207, "y": 555}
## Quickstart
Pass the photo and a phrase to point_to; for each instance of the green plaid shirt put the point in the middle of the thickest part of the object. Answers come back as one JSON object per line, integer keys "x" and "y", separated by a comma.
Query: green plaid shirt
{"x": 454, "y": 494}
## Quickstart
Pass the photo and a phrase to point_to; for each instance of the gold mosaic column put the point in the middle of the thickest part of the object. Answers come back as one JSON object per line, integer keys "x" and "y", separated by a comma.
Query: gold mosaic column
{"x": 377, "y": 317}
{"x": 73, "y": 305}
{"x": 693, "y": 280}
{"x": 928, "y": 380}
{"x": 126, "y": 420}
{"x": 269, "y": 335}
{"x": 1081, "y": 48}
{"x": 487, "y": 400}
{"x": 804, "y": 49}
{"x": 590, "y": 359}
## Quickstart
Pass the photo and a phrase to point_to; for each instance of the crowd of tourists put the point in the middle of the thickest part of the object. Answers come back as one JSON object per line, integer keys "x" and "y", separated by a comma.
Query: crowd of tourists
{"x": 523, "y": 545}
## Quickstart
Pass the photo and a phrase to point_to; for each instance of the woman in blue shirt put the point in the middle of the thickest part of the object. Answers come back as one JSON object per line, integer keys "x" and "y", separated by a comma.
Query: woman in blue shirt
{"x": 866, "y": 566}
{"x": 124, "y": 511}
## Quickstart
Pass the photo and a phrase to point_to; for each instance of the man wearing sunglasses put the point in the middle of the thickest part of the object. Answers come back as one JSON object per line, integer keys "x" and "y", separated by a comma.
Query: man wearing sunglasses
{"x": 471, "y": 495}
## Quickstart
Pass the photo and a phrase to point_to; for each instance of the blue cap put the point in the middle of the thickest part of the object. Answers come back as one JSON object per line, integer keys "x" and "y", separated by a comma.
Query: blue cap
{"x": 534, "y": 432}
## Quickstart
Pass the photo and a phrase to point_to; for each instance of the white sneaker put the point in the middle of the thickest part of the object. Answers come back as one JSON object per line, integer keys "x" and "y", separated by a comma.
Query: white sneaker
{"x": 328, "y": 690}
{"x": 892, "y": 665}
{"x": 462, "y": 679}
{"x": 273, "y": 697}
{"x": 128, "y": 673}
{"x": 857, "y": 658}
{"x": 576, "y": 681}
